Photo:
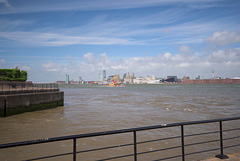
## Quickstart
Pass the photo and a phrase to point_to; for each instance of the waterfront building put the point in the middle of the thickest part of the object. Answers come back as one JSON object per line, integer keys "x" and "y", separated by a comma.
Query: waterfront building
{"x": 80, "y": 80}
{"x": 127, "y": 79}
{"x": 67, "y": 79}
{"x": 61, "y": 82}
{"x": 171, "y": 79}
{"x": 104, "y": 76}
{"x": 124, "y": 76}
{"x": 138, "y": 80}
{"x": 115, "y": 78}
{"x": 147, "y": 80}
{"x": 72, "y": 82}
{"x": 133, "y": 76}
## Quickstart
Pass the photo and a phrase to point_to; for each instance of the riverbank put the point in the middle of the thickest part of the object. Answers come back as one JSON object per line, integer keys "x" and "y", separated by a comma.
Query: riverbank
{"x": 232, "y": 157}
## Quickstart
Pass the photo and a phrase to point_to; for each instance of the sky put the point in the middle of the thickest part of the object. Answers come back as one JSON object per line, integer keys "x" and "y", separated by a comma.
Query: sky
{"x": 50, "y": 39}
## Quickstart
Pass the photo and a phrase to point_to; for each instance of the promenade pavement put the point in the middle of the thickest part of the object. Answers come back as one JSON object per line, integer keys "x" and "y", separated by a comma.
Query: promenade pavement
{"x": 232, "y": 157}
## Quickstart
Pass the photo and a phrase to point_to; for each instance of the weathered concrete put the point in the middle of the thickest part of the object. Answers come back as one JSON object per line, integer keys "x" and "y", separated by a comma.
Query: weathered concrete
{"x": 19, "y": 103}
{"x": 232, "y": 157}
{"x": 30, "y": 90}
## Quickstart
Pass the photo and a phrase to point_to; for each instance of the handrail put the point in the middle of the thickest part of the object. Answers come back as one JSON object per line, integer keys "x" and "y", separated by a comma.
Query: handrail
{"x": 135, "y": 143}
{"x": 12, "y": 87}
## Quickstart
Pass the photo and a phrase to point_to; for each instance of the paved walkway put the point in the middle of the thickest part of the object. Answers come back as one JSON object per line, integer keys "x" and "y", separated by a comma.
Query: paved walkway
{"x": 232, "y": 157}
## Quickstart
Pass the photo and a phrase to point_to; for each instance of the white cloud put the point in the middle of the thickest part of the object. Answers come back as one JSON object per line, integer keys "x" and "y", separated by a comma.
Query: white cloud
{"x": 22, "y": 67}
{"x": 224, "y": 38}
{"x": 103, "y": 5}
{"x": 6, "y": 3}
{"x": 2, "y": 61}
{"x": 52, "y": 67}
{"x": 185, "y": 49}
{"x": 225, "y": 63}
{"x": 89, "y": 57}
{"x": 52, "y": 39}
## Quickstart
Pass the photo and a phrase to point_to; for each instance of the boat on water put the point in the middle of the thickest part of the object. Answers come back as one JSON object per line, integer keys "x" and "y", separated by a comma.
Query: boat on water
{"x": 114, "y": 84}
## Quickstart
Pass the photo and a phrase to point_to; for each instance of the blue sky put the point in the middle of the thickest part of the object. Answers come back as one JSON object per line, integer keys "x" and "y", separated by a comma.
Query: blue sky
{"x": 53, "y": 38}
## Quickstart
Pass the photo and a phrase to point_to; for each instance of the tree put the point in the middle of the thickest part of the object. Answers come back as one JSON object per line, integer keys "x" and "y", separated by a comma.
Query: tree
{"x": 16, "y": 73}
{"x": 24, "y": 75}
{"x": 13, "y": 75}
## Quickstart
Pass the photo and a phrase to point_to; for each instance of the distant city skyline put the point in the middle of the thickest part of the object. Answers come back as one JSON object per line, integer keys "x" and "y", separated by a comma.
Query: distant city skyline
{"x": 50, "y": 39}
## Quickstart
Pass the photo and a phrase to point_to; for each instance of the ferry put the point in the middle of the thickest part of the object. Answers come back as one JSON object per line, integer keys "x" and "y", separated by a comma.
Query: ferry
{"x": 114, "y": 84}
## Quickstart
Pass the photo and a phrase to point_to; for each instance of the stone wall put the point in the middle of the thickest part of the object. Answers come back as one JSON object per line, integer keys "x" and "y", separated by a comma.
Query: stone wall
{"x": 19, "y": 103}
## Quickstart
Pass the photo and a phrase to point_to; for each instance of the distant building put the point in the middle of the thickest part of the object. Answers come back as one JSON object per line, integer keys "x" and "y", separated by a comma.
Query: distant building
{"x": 198, "y": 77}
{"x": 129, "y": 79}
{"x": 124, "y": 76}
{"x": 115, "y": 78}
{"x": 147, "y": 80}
{"x": 61, "y": 82}
{"x": 67, "y": 79}
{"x": 185, "y": 78}
{"x": 104, "y": 75}
{"x": 80, "y": 80}
{"x": 72, "y": 82}
{"x": 171, "y": 79}
{"x": 91, "y": 82}
{"x": 133, "y": 76}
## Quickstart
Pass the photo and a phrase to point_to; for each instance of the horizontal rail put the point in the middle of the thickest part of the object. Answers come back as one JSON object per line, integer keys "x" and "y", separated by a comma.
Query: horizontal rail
{"x": 69, "y": 137}
{"x": 176, "y": 156}
{"x": 23, "y": 87}
{"x": 135, "y": 143}
{"x": 203, "y": 151}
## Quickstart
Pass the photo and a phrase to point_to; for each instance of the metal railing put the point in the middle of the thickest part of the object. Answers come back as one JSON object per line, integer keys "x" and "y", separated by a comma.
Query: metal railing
{"x": 135, "y": 144}
{"x": 10, "y": 87}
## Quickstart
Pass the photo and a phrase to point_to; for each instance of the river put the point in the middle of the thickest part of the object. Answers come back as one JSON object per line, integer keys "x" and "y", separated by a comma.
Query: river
{"x": 95, "y": 109}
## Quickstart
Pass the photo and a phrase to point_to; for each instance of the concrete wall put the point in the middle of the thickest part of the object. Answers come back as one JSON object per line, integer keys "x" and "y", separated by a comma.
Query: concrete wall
{"x": 19, "y": 103}
{"x": 16, "y": 91}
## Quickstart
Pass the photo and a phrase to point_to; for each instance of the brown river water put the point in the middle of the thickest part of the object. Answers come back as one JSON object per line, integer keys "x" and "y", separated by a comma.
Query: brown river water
{"x": 96, "y": 109}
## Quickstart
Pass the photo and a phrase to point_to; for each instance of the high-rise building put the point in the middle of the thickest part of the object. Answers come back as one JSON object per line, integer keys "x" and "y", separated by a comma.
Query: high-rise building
{"x": 104, "y": 75}
{"x": 67, "y": 79}
{"x": 124, "y": 76}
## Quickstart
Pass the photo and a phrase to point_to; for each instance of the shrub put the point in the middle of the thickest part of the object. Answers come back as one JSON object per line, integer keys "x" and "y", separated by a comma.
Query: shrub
{"x": 13, "y": 74}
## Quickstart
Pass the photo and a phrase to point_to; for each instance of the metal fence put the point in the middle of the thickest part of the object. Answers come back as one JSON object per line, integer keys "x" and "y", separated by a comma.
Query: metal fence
{"x": 24, "y": 86}
{"x": 135, "y": 143}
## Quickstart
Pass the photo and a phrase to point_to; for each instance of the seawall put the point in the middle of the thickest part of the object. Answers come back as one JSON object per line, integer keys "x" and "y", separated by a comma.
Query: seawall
{"x": 19, "y": 103}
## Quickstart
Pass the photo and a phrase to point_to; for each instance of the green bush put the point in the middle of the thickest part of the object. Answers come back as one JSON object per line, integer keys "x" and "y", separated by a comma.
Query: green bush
{"x": 13, "y": 74}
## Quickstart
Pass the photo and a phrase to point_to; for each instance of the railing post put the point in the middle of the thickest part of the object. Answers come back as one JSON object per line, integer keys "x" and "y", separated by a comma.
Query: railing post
{"x": 221, "y": 156}
{"x": 182, "y": 138}
{"x": 5, "y": 107}
{"x": 135, "y": 145}
{"x": 74, "y": 149}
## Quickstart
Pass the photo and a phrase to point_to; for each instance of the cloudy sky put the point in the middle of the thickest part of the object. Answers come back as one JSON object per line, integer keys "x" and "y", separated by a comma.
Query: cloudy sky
{"x": 53, "y": 38}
